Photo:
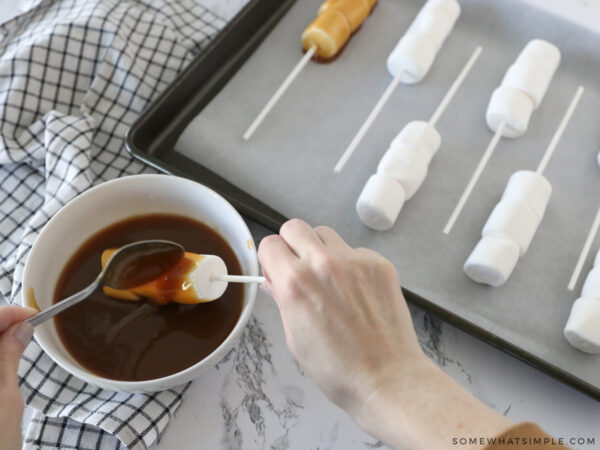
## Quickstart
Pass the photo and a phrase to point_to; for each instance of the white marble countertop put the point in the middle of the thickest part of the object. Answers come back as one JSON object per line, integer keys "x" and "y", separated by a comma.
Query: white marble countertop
{"x": 258, "y": 398}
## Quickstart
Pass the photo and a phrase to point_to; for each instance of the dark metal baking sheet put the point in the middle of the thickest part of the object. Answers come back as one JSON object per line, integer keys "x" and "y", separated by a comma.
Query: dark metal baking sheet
{"x": 153, "y": 136}
{"x": 153, "y": 139}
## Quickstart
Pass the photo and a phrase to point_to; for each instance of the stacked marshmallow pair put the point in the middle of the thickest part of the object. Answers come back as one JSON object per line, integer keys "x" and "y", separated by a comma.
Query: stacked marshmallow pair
{"x": 523, "y": 88}
{"x": 415, "y": 52}
{"x": 510, "y": 228}
{"x": 400, "y": 173}
{"x": 583, "y": 327}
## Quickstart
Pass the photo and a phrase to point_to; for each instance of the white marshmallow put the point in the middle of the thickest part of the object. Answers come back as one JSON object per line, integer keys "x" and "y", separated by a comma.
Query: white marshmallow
{"x": 530, "y": 188}
{"x": 544, "y": 53}
{"x": 417, "y": 49}
{"x": 492, "y": 261}
{"x": 414, "y": 55}
{"x": 407, "y": 166}
{"x": 202, "y": 278}
{"x": 380, "y": 202}
{"x": 530, "y": 77}
{"x": 511, "y": 106}
{"x": 514, "y": 221}
{"x": 591, "y": 287}
{"x": 583, "y": 327}
{"x": 421, "y": 137}
{"x": 449, "y": 8}
{"x": 435, "y": 23}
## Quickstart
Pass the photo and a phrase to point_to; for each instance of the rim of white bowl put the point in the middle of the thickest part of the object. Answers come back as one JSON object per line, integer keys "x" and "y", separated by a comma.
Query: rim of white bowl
{"x": 208, "y": 361}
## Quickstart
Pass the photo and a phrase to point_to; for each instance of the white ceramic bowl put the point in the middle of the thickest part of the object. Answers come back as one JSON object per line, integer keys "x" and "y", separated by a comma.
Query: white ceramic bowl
{"x": 112, "y": 202}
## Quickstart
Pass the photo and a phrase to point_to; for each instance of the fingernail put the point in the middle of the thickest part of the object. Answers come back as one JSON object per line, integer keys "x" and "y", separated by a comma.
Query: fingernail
{"x": 24, "y": 333}
{"x": 265, "y": 290}
{"x": 30, "y": 310}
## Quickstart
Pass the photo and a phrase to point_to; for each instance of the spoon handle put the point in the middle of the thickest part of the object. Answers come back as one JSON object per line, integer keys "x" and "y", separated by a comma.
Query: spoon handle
{"x": 63, "y": 304}
{"x": 240, "y": 279}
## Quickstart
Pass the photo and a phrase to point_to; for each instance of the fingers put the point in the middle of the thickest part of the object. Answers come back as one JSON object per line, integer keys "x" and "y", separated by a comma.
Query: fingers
{"x": 13, "y": 314}
{"x": 290, "y": 259}
{"x": 14, "y": 337}
{"x": 331, "y": 239}
{"x": 12, "y": 343}
{"x": 300, "y": 237}
{"x": 276, "y": 257}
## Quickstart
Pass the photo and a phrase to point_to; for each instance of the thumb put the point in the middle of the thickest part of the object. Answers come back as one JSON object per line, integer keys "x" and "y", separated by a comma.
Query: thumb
{"x": 12, "y": 344}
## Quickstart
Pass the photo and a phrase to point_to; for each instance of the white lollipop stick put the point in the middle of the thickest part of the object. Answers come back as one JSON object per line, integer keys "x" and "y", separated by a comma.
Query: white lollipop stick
{"x": 476, "y": 175}
{"x": 585, "y": 252}
{"x": 488, "y": 153}
{"x": 279, "y": 93}
{"x": 560, "y": 130}
{"x": 455, "y": 86}
{"x": 239, "y": 279}
{"x": 365, "y": 127}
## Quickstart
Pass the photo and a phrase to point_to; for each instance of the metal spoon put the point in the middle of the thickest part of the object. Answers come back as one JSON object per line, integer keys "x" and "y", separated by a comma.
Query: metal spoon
{"x": 130, "y": 266}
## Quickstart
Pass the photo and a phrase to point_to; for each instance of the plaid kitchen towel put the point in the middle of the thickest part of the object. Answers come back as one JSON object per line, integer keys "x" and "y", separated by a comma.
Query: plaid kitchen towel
{"x": 74, "y": 75}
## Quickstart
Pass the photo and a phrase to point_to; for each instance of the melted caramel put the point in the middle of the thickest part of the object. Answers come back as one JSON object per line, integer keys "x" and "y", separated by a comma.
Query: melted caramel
{"x": 170, "y": 286}
{"x": 31, "y": 301}
{"x": 131, "y": 340}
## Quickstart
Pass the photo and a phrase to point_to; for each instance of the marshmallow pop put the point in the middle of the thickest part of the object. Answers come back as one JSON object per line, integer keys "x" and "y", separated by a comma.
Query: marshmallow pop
{"x": 324, "y": 38}
{"x": 583, "y": 327}
{"x": 195, "y": 279}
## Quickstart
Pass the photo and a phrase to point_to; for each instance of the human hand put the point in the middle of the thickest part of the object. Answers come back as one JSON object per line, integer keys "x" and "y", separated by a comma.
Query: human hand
{"x": 14, "y": 337}
{"x": 347, "y": 324}
{"x": 345, "y": 318}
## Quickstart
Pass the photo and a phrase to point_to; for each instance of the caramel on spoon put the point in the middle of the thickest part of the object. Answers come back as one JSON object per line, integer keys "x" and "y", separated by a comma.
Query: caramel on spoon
{"x": 130, "y": 266}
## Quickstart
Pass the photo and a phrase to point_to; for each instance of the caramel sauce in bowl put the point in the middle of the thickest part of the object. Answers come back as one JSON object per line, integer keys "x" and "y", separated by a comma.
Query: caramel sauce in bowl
{"x": 129, "y": 199}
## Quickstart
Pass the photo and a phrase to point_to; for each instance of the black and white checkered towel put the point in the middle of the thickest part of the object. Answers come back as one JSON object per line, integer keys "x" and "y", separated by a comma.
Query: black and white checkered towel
{"x": 74, "y": 75}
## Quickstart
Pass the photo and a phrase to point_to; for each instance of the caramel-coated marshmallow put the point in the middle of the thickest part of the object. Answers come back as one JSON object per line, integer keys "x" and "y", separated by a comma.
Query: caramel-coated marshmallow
{"x": 334, "y": 25}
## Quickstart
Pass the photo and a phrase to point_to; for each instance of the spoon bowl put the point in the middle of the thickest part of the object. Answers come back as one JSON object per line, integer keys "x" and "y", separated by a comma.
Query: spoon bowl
{"x": 132, "y": 265}
{"x": 141, "y": 262}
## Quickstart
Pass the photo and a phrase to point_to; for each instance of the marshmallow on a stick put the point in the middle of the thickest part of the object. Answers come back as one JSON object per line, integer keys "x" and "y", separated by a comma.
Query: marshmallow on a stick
{"x": 335, "y": 23}
{"x": 400, "y": 173}
{"x": 325, "y": 37}
{"x": 510, "y": 228}
{"x": 415, "y": 53}
{"x": 193, "y": 280}
{"x": 583, "y": 327}
{"x": 523, "y": 88}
